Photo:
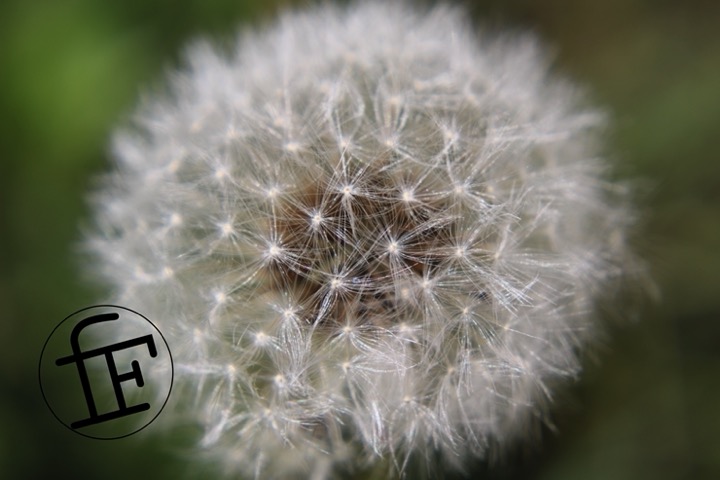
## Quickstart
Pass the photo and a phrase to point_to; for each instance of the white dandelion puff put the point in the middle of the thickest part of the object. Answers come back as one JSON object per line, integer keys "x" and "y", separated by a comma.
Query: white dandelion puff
{"x": 366, "y": 234}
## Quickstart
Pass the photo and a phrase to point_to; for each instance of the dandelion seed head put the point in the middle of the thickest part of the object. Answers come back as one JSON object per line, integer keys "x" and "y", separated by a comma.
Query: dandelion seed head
{"x": 383, "y": 237}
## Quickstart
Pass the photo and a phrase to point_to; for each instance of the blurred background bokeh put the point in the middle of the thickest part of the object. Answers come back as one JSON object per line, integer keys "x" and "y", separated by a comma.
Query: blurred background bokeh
{"x": 647, "y": 407}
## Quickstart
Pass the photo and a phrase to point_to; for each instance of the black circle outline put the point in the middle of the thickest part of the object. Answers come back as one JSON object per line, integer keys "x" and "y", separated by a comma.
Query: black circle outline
{"x": 172, "y": 371}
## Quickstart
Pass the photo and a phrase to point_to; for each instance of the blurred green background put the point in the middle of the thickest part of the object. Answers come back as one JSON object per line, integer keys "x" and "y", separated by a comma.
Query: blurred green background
{"x": 648, "y": 408}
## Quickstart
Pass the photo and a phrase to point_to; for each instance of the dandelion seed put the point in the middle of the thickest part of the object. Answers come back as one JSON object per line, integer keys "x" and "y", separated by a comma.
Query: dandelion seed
{"x": 393, "y": 247}
{"x": 316, "y": 220}
{"x": 272, "y": 192}
{"x": 261, "y": 339}
{"x": 226, "y": 229}
{"x": 348, "y": 191}
{"x": 292, "y": 147}
{"x": 175, "y": 220}
{"x": 274, "y": 251}
{"x": 221, "y": 174}
{"x": 220, "y": 298}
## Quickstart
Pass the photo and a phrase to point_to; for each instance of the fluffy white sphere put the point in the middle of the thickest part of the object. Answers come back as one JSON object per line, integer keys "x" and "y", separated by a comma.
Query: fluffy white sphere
{"x": 365, "y": 233}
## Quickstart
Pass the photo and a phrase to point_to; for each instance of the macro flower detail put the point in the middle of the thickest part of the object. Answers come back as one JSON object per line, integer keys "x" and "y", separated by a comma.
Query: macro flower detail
{"x": 366, "y": 234}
